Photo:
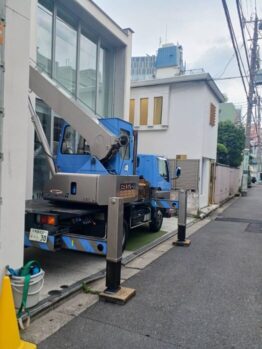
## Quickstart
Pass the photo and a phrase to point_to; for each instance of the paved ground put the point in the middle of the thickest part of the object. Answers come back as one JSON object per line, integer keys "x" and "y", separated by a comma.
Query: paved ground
{"x": 65, "y": 268}
{"x": 205, "y": 296}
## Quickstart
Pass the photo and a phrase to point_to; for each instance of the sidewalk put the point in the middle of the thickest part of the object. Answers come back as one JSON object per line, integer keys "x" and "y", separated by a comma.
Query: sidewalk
{"x": 205, "y": 296}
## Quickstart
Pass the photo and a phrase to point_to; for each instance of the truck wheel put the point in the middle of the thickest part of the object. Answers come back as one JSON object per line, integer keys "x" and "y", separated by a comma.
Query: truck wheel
{"x": 156, "y": 220}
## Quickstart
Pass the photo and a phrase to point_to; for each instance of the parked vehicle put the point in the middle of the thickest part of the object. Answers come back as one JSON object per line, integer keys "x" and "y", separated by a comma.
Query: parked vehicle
{"x": 97, "y": 159}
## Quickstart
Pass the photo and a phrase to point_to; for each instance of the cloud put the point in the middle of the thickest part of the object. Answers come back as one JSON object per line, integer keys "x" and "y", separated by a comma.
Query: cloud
{"x": 215, "y": 59}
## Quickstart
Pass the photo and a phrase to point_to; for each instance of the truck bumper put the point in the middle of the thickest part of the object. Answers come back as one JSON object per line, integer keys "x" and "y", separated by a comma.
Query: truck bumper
{"x": 69, "y": 242}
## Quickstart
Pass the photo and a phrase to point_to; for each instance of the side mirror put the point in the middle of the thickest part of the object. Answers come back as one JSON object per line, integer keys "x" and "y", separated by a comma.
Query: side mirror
{"x": 177, "y": 172}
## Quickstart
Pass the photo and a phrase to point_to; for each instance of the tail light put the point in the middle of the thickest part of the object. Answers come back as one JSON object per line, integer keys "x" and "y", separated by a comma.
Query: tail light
{"x": 44, "y": 219}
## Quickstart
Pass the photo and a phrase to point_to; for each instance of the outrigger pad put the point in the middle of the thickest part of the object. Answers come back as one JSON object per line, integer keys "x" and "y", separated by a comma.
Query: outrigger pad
{"x": 185, "y": 243}
{"x": 119, "y": 297}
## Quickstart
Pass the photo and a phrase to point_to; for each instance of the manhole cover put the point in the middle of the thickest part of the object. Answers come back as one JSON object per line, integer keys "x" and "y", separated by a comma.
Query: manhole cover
{"x": 254, "y": 228}
{"x": 55, "y": 293}
{"x": 64, "y": 286}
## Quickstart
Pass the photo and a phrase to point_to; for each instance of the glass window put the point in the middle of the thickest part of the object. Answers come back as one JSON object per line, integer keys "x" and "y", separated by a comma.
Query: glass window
{"x": 41, "y": 169}
{"x": 143, "y": 111}
{"x": 104, "y": 69}
{"x": 158, "y": 104}
{"x": 44, "y": 38}
{"x": 65, "y": 52}
{"x": 73, "y": 143}
{"x": 132, "y": 111}
{"x": 163, "y": 168}
{"x": 58, "y": 124}
{"x": 87, "y": 72}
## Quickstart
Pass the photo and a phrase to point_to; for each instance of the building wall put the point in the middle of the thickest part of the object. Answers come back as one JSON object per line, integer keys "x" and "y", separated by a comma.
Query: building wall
{"x": 167, "y": 72}
{"x": 15, "y": 129}
{"x": 209, "y": 132}
{"x": 185, "y": 127}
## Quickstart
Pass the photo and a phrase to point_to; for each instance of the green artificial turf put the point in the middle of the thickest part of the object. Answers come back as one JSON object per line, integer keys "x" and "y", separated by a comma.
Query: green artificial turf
{"x": 140, "y": 237}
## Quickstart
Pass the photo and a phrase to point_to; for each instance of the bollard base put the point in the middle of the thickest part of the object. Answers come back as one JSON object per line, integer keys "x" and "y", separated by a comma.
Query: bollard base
{"x": 184, "y": 243}
{"x": 121, "y": 296}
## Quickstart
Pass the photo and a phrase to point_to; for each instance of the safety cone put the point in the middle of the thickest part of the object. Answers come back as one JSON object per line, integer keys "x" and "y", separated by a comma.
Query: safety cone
{"x": 9, "y": 333}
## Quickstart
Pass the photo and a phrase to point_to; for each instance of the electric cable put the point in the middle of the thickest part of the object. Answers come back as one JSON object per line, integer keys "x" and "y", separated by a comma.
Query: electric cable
{"x": 230, "y": 27}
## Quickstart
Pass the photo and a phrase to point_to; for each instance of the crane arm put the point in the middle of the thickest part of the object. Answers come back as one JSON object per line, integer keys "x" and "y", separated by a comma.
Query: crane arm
{"x": 102, "y": 142}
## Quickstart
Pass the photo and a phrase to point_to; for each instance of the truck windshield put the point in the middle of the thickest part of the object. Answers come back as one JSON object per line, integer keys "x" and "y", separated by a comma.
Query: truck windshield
{"x": 73, "y": 143}
{"x": 163, "y": 168}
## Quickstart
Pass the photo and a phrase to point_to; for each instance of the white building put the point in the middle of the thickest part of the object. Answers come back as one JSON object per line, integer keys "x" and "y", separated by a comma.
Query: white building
{"x": 178, "y": 115}
{"x": 88, "y": 55}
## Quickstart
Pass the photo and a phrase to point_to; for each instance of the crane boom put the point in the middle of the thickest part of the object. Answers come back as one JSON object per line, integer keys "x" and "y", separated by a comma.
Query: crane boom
{"x": 101, "y": 141}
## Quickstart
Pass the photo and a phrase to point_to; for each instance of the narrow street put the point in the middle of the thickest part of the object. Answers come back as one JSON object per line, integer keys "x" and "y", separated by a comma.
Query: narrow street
{"x": 204, "y": 296}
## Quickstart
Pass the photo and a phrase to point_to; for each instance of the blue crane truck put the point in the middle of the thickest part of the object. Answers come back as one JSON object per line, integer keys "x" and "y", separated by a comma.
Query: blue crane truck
{"x": 95, "y": 160}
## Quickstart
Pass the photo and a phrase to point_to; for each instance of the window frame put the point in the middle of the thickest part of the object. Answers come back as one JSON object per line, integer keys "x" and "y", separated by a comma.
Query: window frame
{"x": 132, "y": 105}
{"x": 142, "y": 100}
{"x": 156, "y": 117}
{"x": 83, "y": 29}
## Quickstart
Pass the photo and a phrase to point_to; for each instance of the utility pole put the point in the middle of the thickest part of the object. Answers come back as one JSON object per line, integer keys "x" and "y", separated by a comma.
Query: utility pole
{"x": 253, "y": 68}
{"x": 259, "y": 136}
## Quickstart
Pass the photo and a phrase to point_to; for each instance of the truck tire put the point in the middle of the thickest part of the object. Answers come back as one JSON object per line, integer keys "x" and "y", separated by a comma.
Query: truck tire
{"x": 156, "y": 220}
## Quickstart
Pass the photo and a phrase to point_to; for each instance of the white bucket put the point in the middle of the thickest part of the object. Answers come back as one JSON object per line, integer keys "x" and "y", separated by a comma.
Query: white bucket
{"x": 35, "y": 286}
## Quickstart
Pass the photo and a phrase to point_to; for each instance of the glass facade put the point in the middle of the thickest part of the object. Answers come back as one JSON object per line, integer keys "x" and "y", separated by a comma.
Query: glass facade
{"x": 44, "y": 38}
{"x": 87, "y": 72}
{"x": 67, "y": 53}
{"x": 74, "y": 57}
{"x": 103, "y": 81}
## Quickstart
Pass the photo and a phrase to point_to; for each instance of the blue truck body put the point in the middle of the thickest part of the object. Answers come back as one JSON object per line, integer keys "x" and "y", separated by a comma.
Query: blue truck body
{"x": 83, "y": 228}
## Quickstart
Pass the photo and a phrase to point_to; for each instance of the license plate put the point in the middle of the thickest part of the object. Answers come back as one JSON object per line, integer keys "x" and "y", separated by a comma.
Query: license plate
{"x": 38, "y": 235}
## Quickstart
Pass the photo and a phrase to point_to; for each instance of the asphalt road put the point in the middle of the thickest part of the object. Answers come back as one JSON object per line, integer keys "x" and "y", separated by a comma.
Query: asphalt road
{"x": 205, "y": 296}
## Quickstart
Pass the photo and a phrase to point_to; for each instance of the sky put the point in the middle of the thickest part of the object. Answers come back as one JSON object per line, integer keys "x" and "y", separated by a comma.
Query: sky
{"x": 198, "y": 25}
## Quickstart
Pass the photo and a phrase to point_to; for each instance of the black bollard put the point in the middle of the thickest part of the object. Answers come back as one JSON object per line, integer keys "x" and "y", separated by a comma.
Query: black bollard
{"x": 182, "y": 217}
{"x": 114, "y": 292}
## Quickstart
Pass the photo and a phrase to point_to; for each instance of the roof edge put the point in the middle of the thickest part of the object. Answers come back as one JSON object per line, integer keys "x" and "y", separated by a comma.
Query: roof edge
{"x": 204, "y": 77}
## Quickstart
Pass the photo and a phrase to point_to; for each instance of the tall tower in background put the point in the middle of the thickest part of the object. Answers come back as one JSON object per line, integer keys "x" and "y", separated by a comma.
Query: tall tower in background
{"x": 168, "y": 62}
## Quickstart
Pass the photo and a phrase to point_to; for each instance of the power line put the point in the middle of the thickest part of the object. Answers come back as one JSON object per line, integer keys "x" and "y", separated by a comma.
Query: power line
{"x": 229, "y": 77}
{"x": 240, "y": 17}
{"x": 230, "y": 27}
{"x": 228, "y": 63}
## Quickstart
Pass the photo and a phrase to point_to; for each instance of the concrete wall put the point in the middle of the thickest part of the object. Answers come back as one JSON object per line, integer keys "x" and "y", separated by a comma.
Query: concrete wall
{"x": 167, "y": 72}
{"x": 13, "y": 180}
{"x": 227, "y": 183}
{"x": 204, "y": 182}
{"x": 122, "y": 78}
